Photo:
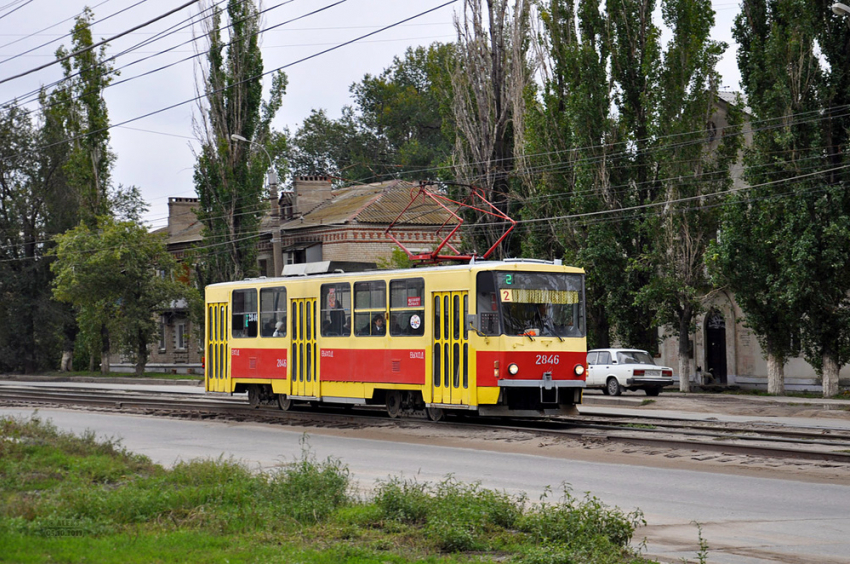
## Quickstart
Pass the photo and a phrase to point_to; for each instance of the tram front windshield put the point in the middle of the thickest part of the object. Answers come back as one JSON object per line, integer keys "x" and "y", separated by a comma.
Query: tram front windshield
{"x": 531, "y": 303}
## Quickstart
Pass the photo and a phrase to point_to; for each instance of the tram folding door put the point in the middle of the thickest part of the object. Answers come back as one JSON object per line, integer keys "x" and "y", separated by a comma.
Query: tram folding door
{"x": 450, "y": 351}
{"x": 218, "y": 355}
{"x": 305, "y": 360}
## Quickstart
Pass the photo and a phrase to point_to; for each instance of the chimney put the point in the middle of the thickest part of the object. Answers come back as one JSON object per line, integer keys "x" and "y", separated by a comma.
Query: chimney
{"x": 181, "y": 214}
{"x": 310, "y": 192}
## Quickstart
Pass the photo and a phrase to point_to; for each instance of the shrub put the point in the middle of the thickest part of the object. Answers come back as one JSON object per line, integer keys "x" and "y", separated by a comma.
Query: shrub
{"x": 309, "y": 491}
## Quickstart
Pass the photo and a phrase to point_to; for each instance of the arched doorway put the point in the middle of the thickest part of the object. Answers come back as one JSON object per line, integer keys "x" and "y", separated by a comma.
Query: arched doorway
{"x": 715, "y": 346}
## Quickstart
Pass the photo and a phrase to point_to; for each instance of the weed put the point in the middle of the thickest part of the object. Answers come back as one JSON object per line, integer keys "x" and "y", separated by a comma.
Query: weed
{"x": 647, "y": 402}
{"x": 639, "y": 426}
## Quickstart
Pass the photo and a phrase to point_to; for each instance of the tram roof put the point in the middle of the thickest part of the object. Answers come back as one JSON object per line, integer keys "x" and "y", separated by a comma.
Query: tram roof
{"x": 511, "y": 264}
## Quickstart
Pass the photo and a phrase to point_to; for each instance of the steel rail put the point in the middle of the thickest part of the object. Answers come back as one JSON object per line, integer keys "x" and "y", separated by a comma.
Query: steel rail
{"x": 191, "y": 406}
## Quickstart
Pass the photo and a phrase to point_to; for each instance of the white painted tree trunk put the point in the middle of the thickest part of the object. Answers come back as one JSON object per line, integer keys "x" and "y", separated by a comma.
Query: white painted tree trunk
{"x": 830, "y": 376}
{"x": 775, "y": 375}
{"x": 684, "y": 373}
{"x": 67, "y": 361}
{"x": 104, "y": 363}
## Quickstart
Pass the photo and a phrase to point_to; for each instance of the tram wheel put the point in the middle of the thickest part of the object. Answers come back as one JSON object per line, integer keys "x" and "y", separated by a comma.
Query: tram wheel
{"x": 393, "y": 403}
{"x": 614, "y": 388}
{"x": 254, "y": 395}
{"x": 284, "y": 402}
{"x": 435, "y": 413}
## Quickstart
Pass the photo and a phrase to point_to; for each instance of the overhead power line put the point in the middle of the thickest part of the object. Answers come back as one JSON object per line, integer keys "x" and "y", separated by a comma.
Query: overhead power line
{"x": 64, "y": 35}
{"x": 280, "y": 68}
{"x": 99, "y": 43}
{"x": 15, "y": 9}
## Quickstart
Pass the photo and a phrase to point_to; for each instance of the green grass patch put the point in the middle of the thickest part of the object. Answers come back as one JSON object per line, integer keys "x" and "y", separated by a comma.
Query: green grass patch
{"x": 77, "y": 499}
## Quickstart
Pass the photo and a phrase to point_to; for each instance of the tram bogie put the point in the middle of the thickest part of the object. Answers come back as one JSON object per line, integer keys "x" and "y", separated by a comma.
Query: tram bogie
{"x": 490, "y": 338}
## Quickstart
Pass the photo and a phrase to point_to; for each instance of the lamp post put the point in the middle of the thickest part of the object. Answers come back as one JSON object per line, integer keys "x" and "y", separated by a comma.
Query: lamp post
{"x": 277, "y": 257}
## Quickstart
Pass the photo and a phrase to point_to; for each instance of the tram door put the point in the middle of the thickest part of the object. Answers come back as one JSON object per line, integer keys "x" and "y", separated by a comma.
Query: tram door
{"x": 450, "y": 351}
{"x": 304, "y": 371}
{"x": 218, "y": 356}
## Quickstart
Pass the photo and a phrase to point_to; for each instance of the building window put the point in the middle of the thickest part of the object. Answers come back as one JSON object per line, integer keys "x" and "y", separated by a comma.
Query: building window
{"x": 336, "y": 310}
{"x": 162, "y": 327}
{"x": 407, "y": 307}
{"x": 180, "y": 336}
{"x": 370, "y": 308}
{"x": 273, "y": 312}
{"x": 244, "y": 313}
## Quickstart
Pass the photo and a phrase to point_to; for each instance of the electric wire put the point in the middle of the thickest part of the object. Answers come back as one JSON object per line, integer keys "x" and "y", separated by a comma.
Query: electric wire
{"x": 13, "y": 10}
{"x": 99, "y": 43}
{"x": 21, "y": 54}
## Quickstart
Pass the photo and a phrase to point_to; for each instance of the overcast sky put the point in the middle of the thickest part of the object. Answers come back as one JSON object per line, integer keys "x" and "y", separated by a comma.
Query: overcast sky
{"x": 155, "y": 152}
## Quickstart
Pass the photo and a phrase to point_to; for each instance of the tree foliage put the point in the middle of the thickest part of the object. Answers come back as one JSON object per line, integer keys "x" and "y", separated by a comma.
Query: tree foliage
{"x": 117, "y": 276}
{"x": 229, "y": 175}
{"x": 399, "y": 126}
{"x": 795, "y": 221}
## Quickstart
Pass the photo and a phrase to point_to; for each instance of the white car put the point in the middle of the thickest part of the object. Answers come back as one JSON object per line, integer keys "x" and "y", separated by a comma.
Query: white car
{"x": 614, "y": 370}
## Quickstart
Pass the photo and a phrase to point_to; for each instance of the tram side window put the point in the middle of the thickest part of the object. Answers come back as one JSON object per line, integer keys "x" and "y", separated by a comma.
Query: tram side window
{"x": 370, "y": 308}
{"x": 407, "y": 307}
{"x": 244, "y": 313}
{"x": 336, "y": 310}
{"x": 273, "y": 312}
{"x": 487, "y": 304}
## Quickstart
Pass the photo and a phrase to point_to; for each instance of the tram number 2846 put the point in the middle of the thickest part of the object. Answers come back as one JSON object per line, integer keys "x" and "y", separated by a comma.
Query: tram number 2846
{"x": 548, "y": 359}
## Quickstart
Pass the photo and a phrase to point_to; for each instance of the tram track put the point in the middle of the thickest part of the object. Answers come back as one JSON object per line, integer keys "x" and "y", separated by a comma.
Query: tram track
{"x": 751, "y": 440}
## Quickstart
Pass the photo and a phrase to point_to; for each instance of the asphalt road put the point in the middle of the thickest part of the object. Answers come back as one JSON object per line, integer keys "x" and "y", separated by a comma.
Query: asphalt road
{"x": 744, "y": 520}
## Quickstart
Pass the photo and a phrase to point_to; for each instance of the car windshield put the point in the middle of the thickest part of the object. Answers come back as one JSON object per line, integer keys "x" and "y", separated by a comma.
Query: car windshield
{"x": 531, "y": 303}
{"x": 634, "y": 357}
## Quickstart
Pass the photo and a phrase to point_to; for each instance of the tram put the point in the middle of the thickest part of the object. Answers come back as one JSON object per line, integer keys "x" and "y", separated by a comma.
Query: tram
{"x": 492, "y": 338}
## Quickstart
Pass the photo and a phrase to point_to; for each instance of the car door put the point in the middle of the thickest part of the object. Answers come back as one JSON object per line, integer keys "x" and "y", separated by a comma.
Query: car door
{"x": 602, "y": 368}
{"x": 591, "y": 368}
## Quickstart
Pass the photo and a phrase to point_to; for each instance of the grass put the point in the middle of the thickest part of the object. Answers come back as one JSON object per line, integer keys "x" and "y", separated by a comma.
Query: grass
{"x": 73, "y": 498}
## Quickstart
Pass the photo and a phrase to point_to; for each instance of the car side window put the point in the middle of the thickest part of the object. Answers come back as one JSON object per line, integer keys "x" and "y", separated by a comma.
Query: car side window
{"x": 604, "y": 357}
{"x": 591, "y": 357}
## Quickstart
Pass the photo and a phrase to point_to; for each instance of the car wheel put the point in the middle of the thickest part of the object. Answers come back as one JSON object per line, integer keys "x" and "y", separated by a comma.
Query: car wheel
{"x": 653, "y": 391}
{"x": 613, "y": 387}
{"x": 605, "y": 390}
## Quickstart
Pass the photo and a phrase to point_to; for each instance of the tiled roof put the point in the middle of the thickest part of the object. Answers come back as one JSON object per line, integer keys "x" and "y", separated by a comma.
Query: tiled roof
{"x": 375, "y": 204}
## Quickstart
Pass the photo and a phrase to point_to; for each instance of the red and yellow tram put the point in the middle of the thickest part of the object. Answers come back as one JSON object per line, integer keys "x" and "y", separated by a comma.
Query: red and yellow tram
{"x": 491, "y": 338}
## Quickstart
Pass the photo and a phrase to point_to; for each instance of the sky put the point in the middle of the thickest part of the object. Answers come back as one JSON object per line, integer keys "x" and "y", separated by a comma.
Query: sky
{"x": 156, "y": 153}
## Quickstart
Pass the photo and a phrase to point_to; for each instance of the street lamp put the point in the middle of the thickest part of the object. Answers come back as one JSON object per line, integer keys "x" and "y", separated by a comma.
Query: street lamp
{"x": 272, "y": 175}
{"x": 273, "y": 182}
{"x": 840, "y": 9}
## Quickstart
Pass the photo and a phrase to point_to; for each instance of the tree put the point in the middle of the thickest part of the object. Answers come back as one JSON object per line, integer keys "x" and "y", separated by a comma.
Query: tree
{"x": 229, "y": 174}
{"x": 798, "y": 168}
{"x": 399, "y": 127}
{"x": 409, "y": 106}
{"x": 117, "y": 276}
{"x": 343, "y": 148}
{"x": 81, "y": 106}
{"x": 691, "y": 166}
{"x": 490, "y": 82}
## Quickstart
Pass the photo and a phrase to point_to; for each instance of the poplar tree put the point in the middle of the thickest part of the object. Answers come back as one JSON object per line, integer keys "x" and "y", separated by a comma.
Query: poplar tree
{"x": 796, "y": 223}
{"x": 229, "y": 175}
{"x": 692, "y": 169}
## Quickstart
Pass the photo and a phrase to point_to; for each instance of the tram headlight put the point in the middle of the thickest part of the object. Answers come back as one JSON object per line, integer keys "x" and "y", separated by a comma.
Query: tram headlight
{"x": 579, "y": 369}
{"x": 513, "y": 369}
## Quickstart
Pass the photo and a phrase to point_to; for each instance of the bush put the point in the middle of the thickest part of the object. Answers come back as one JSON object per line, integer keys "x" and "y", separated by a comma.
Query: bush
{"x": 309, "y": 491}
{"x": 574, "y": 522}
